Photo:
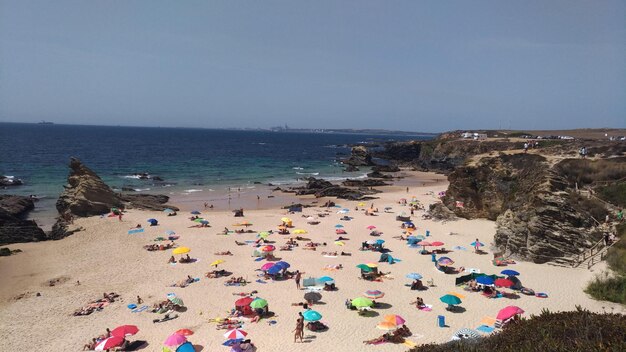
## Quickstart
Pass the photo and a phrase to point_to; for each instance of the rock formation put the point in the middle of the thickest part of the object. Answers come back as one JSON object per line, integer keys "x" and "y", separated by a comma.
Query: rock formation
{"x": 364, "y": 183}
{"x": 13, "y": 229}
{"x": 323, "y": 188}
{"x": 359, "y": 156}
{"x": 6, "y": 181}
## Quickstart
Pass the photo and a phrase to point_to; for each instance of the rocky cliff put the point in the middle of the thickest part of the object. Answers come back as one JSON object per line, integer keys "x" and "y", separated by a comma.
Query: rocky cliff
{"x": 359, "y": 156}
{"x": 539, "y": 216}
{"x": 13, "y": 228}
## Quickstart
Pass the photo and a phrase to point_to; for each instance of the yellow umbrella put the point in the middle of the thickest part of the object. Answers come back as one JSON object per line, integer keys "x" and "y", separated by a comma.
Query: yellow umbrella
{"x": 456, "y": 294}
{"x": 361, "y": 204}
{"x": 339, "y": 243}
{"x": 372, "y": 265}
{"x": 215, "y": 263}
{"x": 181, "y": 250}
{"x": 299, "y": 232}
{"x": 285, "y": 220}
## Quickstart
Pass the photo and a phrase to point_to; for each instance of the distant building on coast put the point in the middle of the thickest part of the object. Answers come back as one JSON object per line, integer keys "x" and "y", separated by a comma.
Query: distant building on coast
{"x": 474, "y": 136}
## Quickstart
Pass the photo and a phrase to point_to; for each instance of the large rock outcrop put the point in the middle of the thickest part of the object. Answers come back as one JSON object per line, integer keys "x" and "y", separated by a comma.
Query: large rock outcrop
{"x": 359, "y": 156}
{"x": 86, "y": 194}
{"x": 539, "y": 216}
{"x": 323, "y": 188}
{"x": 13, "y": 228}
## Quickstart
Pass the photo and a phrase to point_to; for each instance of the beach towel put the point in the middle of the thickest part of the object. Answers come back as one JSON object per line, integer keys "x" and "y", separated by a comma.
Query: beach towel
{"x": 459, "y": 248}
{"x": 261, "y": 281}
{"x": 330, "y": 256}
{"x": 409, "y": 343}
{"x": 131, "y": 232}
{"x": 486, "y": 329}
{"x": 489, "y": 321}
{"x": 392, "y": 260}
{"x": 541, "y": 295}
{"x": 140, "y": 309}
{"x": 259, "y": 259}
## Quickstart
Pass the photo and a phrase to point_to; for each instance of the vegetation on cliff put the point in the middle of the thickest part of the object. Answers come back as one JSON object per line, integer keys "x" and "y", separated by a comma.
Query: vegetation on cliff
{"x": 612, "y": 286}
{"x": 579, "y": 330}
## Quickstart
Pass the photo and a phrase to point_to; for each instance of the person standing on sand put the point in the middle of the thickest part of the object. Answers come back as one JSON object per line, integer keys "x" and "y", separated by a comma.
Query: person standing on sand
{"x": 206, "y": 205}
{"x": 120, "y": 216}
{"x": 297, "y": 278}
{"x": 476, "y": 245}
{"x": 299, "y": 330}
{"x": 407, "y": 190}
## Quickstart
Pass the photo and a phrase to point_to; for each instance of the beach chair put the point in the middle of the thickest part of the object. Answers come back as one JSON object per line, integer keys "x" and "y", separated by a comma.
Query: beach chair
{"x": 441, "y": 321}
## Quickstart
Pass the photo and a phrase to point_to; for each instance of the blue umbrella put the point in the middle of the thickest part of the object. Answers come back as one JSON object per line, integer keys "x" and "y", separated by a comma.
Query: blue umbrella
{"x": 338, "y": 226}
{"x": 325, "y": 279}
{"x": 484, "y": 280}
{"x": 408, "y": 223}
{"x": 186, "y": 347}
{"x": 282, "y": 264}
{"x": 414, "y": 276}
{"x": 168, "y": 210}
{"x": 170, "y": 232}
{"x": 274, "y": 270}
{"x": 153, "y": 221}
{"x": 195, "y": 212}
{"x": 231, "y": 342}
{"x": 311, "y": 315}
{"x": 480, "y": 244}
{"x": 379, "y": 242}
{"x": 204, "y": 222}
{"x": 509, "y": 272}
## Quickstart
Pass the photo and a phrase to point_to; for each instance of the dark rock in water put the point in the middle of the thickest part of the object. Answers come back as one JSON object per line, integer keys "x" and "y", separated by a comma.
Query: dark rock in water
{"x": 128, "y": 189}
{"x": 256, "y": 182}
{"x": 378, "y": 174}
{"x": 17, "y": 206}
{"x": 16, "y": 230}
{"x": 10, "y": 181}
{"x": 86, "y": 194}
{"x": 386, "y": 168}
{"x": 146, "y": 201}
{"x": 364, "y": 183}
{"x": 351, "y": 168}
{"x": 359, "y": 156}
{"x": 323, "y": 188}
{"x": 157, "y": 178}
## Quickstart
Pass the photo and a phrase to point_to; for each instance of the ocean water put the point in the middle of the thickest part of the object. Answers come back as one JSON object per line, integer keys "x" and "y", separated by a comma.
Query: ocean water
{"x": 188, "y": 160}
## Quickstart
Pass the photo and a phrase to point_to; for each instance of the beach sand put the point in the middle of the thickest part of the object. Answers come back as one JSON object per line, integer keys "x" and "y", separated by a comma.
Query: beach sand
{"x": 106, "y": 259}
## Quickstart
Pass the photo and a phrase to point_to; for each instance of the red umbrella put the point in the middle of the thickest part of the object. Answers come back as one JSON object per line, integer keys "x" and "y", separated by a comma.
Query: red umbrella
{"x": 503, "y": 283}
{"x": 109, "y": 343}
{"x": 242, "y": 302}
{"x": 437, "y": 243}
{"x": 125, "y": 330}
{"x": 184, "y": 332}
{"x": 424, "y": 243}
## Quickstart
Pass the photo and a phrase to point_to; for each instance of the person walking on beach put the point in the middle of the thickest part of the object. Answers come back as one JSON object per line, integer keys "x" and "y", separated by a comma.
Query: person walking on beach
{"x": 120, "y": 216}
{"x": 297, "y": 278}
{"x": 299, "y": 330}
{"x": 476, "y": 245}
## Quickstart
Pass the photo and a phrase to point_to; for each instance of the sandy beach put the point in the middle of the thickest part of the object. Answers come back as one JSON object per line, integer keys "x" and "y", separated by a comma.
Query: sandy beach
{"x": 105, "y": 258}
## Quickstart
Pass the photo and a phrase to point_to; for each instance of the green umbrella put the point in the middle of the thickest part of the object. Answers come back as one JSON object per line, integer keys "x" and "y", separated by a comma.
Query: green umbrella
{"x": 258, "y": 303}
{"x": 177, "y": 301}
{"x": 364, "y": 267}
{"x": 450, "y": 299}
{"x": 361, "y": 302}
{"x": 264, "y": 234}
{"x": 199, "y": 220}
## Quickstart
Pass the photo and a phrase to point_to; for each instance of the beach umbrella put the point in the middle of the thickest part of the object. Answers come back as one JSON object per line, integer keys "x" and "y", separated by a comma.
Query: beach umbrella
{"x": 364, "y": 267}
{"x": 258, "y": 303}
{"x": 361, "y": 302}
{"x": 275, "y": 269}
{"x": 436, "y": 243}
{"x": 484, "y": 280}
{"x": 299, "y": 232}
{"x": 266, "y": 266}
{"x": 283, "y": 264}
{"x": 466, "y": 333}
{"x": 479, "y": 244}
{"x": 204, "y": 222}
{"x": 370, "y": 241}
{"x": 379, "y": 242}
{"x": 509, "y": 312}
{"x": 450, "y": 299}
{"x": 409, "y": 223}
{"x": 229, "y": 343}
{"x": 186, "y": 347}
{"x": 184, "y": 332}
{"x": 503, "y": 283}
{"x": 361, "y": 204}
{"x": 263, "y": 234}
{"x": 125, "y": 330}
{"x": 111, "y": 342}
{"x": 285, "y": 219}
{"x": 386, "y": 325}
{"x": 217, "y": 262}
{"x": 374, "y": 294}
{"x": 181, "y": 250}
{"x": 243, "y": 302}
{"x": 198, "y": 220}
{"x": 246, "y": 223}
{"x": 313, "y": 296}
{"x": 268, "y": 248}
{"x": 177, "y": 301}
{"x": 456, "y": 294}
{"x": 395, "y": 319}
{"x": 169, "y": 211}
{"x": 195, "y": 212}
{"x": 414, "y": 276}
{"x": 445, "y": 261}
{"x": 311, "y": 315}
{"x": 372, "y": 265}
{"x": 424, "y": 243}
{"x": 419, "y": 237}
{"x": 235, "y": 334}
{"x": 153, "y": 221}
{"x": 170, "y": 232}
{"x": 175, "y": 340}
{"x": 371, "y": 227}
{"x": 325, "y": 279}
{"x": 509, "y": 272}
{"x": 340, "y": 243}
{"x": 338, "y": 226}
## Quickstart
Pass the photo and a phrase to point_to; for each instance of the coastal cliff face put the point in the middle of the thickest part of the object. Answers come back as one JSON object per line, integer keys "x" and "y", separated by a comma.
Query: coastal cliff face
{"x": 13, "y": 229}
{"x": 539, "y": 217}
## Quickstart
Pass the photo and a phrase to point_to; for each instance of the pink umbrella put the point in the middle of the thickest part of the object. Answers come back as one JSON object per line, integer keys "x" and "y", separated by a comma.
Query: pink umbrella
{"x": 424, "y": 243}
{"x": 175, "y": 340}
{"x": 266, "y": 266}
{"x": 125, "y": 330}
{"x": 503, "y": 283}
{"x": 437, "y": 243}
{"x": 509, "y": 312}
{"x": 109, "y": 343}
{"x": 395, "y": 319}
{"x": 371, "y": 227}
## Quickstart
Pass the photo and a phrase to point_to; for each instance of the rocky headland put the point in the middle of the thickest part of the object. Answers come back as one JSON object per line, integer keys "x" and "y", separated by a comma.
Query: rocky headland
{"x": 13, "y": 227}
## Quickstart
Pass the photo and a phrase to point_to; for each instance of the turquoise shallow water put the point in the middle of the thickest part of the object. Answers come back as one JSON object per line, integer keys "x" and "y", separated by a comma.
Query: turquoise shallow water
{"x": 187, "y": 160}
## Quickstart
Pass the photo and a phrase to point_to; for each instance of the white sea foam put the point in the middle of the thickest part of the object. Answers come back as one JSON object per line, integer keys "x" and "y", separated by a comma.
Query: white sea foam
{"x": 298, "y": 168}
{"x": 141, "y": 189}
{"x": 308, "y": 173}
{"x": 192, "y": 190}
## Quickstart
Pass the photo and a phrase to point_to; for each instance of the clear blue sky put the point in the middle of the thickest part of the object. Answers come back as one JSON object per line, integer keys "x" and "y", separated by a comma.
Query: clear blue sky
{"x": 414, "y": 65}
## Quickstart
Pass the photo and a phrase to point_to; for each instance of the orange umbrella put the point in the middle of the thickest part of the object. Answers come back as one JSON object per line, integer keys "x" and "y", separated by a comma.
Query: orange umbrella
{"x": 184, "y": 332}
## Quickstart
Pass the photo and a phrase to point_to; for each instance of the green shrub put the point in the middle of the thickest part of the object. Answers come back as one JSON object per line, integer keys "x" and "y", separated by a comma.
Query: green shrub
{"x": 615, "y": 194}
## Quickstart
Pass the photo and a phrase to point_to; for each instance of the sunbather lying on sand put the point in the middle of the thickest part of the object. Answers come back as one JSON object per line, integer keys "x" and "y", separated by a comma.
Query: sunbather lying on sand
{"x": 186, "y": 259}
{"x": 223, "y": 253}
{"x": 240, "y": 243}
{"x": 236, "y": 280}
{"x": 216, "y": 273}
{"x": 166, "y": 317}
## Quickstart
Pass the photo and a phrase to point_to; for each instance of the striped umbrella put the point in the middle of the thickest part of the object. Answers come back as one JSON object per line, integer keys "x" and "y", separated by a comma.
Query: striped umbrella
{"x": 466, "y": 333}
{"x": 177, "y": 301}
{"x": 235, "y": 334}
{"x": 445, "y": 261}
{"x": 374, "y": 294}
{"x": 111, "y": 342}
